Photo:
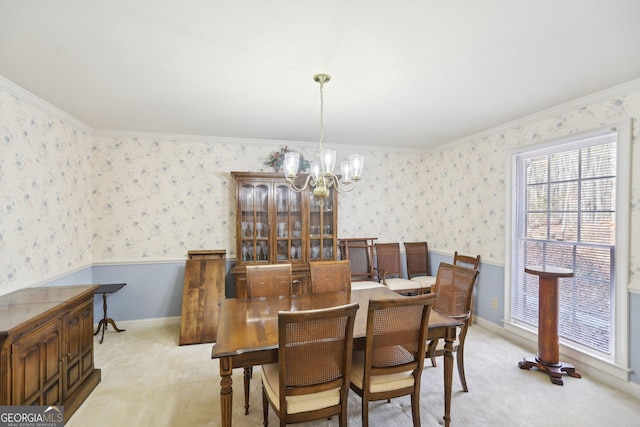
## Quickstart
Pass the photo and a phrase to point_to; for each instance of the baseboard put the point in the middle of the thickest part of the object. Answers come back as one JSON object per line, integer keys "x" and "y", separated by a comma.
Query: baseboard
{"x": 146, "y": 323}
{"x": 629, "y": 387}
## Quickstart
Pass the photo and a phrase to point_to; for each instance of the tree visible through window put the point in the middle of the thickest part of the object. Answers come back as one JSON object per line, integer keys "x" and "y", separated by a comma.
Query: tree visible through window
{"x": 564, "y": 215}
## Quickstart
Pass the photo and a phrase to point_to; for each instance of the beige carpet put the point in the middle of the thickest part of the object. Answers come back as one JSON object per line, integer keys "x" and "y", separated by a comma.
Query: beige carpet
{"x": 148, "y": 380}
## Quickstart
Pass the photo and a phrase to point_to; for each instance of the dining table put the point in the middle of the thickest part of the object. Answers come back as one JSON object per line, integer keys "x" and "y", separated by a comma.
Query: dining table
{"x": 248, "y": 334}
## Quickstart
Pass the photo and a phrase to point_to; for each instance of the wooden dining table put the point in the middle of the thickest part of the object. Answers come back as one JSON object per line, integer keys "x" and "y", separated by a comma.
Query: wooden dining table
{"x": 248, "y": 334}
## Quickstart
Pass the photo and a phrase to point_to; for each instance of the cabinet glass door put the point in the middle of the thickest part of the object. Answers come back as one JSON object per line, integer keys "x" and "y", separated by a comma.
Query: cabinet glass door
{"x": 254, "y": 225}
{"x": 289, "y": 225}
{"x": 321, "y": 229}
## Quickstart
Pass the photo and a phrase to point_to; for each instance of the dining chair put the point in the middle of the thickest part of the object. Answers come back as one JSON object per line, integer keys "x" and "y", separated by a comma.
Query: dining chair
{"x": 312, "y": 376}
{"x": 392, "y": 361}
{"x": 267, "y": 280}
{"x": 466, "y": 260}
{"x": 389, "y": 267}
{"x": 471, "y": 262}
{"x": 330, "y": 276}
{"x": 418, "y": 267}
{"x": 454, "y": 289}
{"x": 359, "y": 252}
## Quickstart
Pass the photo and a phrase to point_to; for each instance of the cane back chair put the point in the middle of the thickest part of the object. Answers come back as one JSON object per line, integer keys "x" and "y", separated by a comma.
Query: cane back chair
{"x": 389, "y": 267}
{"x": 392, "y": 361}
{"x": 311, "y": 379}
{"x": 268, "y": 280}
{"x": 330, "y": 276}
{"x": 454, "y": 288}
{"x": 418, "y": 267}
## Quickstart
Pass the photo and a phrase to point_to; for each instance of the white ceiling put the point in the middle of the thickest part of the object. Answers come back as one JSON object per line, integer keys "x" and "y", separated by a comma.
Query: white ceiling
{"x": 405, "y": 73}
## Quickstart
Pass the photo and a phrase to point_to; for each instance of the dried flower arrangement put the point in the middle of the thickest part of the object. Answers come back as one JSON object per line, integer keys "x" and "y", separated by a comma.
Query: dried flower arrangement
{"x": 276, "y": 159}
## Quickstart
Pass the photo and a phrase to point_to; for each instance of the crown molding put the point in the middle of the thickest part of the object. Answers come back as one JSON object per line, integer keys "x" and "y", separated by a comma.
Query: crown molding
{"x": 114, "y": 133}
{"x": 594, "y": 98}
{"x": 37, "y": 102}
{"x": 42, "y": 105}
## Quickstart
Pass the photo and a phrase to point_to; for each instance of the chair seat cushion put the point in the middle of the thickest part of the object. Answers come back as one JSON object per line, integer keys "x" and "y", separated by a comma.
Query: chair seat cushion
{"x": 296, "y": 404}
{"x": 366, "y": 284}
{"x": 399, "y": 284}
{"x": 379, "y": 383}
{"x": 425, "y": 281}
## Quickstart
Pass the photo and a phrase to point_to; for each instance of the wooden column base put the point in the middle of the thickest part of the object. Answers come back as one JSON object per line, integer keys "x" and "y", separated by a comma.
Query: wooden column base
{"x": 555, "y": 371}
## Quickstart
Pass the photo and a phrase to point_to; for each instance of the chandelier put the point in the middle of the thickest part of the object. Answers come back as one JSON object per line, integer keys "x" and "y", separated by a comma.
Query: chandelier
{"x": 322, "y": 177}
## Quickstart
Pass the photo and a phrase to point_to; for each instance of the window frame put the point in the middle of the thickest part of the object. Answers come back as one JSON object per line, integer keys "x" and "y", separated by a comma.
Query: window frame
{"x": 617, "y": 364}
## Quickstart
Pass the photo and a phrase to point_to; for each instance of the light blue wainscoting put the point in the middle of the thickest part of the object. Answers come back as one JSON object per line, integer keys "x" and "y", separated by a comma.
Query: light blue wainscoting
{"x": 154, "y": 290}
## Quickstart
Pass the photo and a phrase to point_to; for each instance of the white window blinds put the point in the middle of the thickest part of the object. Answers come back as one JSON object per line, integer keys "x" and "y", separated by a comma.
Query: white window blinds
{"x": 564, "y": 215}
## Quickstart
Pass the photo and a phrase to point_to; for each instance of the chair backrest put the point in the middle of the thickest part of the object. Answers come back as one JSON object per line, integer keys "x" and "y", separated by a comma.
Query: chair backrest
{"x": 466, "y": 260}
{"x": 268, "y": 280}
{"x": 388, "y": 259}
{"x": 396, "y": 335}
{"x": 454, "y": 287}
{"x": 359, "y": 252}
{"x": 330, "y": 276}
{"x": 417, "y": 259}
{"x": 314, "y": 351}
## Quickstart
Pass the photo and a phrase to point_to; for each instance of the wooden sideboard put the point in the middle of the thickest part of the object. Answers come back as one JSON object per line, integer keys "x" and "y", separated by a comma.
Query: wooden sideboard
{"x": 46, "y": 347}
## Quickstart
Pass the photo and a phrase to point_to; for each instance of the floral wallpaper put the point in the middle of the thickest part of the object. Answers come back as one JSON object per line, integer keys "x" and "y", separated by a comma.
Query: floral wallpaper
{"x": 45, "y": 196}
{"x": 71, "y": 199}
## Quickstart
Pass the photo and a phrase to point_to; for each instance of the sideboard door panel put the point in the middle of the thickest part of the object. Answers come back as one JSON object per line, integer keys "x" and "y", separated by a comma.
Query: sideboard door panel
{"x": 77, "y": 352}
{"x": 36, "y": 361}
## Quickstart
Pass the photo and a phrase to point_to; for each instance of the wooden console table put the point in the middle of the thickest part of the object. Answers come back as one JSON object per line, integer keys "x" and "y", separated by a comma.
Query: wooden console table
{"x": 548, "y": 358}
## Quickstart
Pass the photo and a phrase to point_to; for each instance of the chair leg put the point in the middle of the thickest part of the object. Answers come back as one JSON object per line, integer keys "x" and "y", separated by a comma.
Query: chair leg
{"x": 265, "y": 408}
{"x": 460, "y": 362}
{"x": 248, "y": 373}
{"x": 415, "y": 409}
{"x": 431, "y": 352}
{"x": 343, "y": 415}
{"x": 365, "y": 413}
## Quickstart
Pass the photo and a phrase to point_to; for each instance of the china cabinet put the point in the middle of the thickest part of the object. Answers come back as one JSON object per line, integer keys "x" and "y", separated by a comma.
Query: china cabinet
{"x": 275, "y": 224}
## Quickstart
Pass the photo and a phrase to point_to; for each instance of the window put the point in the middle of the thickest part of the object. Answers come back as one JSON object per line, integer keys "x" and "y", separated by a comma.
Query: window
{"x": 567, "y": 212}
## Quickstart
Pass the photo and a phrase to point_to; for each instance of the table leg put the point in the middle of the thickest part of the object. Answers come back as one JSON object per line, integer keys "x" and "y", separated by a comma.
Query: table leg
{"x": 226, "y": 391}
{"x": 105, "y": 321}
{"x": 248, "y": 373}
{"x": 110, "y": 320}
{"x": 448, "y": 375}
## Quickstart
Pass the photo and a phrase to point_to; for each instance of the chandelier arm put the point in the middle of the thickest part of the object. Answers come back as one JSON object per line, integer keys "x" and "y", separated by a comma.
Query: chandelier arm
{"x": 344, "y": 188}
{"x": 297, "y": 189}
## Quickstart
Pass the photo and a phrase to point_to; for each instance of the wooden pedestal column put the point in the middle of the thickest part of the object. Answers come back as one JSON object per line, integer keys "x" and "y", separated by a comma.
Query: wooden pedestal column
{"x": 548, "y": 358}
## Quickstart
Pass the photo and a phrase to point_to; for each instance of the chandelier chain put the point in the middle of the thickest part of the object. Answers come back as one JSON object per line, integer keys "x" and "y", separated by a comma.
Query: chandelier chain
{"x": 321, "y": 114}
